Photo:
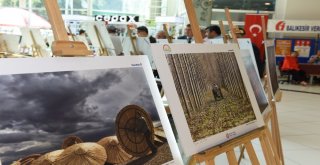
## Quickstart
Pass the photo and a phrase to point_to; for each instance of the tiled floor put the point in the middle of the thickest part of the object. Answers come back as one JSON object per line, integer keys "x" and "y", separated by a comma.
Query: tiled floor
{"x": 299, "y": 121}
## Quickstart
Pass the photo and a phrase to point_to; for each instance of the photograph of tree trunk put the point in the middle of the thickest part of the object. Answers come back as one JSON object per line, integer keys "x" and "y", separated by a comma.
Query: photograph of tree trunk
{"x": 211, "y": 91}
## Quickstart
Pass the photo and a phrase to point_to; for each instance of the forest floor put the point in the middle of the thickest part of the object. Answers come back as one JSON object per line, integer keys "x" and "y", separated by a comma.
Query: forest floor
{"x": 219, "y": 116}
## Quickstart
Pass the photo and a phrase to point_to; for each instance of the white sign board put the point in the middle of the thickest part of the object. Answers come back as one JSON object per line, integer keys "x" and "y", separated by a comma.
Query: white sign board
{"x": 293, "y": 26}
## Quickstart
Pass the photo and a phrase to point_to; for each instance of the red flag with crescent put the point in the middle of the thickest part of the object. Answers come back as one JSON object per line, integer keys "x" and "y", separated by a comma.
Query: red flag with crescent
{"x": 253, "y": 28}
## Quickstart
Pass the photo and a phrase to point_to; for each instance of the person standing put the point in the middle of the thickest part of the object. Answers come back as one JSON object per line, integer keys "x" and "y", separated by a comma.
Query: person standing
{"x": 213, "y": 32}
{"x": 188, "y": 35}
{"x": 142, "y": 31}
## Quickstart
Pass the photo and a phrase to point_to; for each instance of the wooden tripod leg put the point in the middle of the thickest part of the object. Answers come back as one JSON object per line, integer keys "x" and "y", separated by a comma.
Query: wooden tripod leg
{"x": 210, "y": 161}
{"x": 193, "y": 21}
{"x": 232, "y": 157}
{"x": 273, "y": 147}
{"x": 276, "y": 132}
{"x": 242, "y": 149}
{"x": 274, "y": 159}
{"x": 265, "y": 151}
{"x": 252, "y": 155}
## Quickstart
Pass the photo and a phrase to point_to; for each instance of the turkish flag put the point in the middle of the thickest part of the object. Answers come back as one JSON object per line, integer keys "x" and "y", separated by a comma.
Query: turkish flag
{"x": 253, "y": 28}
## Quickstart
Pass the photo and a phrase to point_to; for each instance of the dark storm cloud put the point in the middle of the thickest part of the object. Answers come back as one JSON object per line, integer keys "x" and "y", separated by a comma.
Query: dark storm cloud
{"x": 146, "y": 104}
{"x": 38, "y": 111}
{"x": 14, "y": 137}
{"x": 59, "y": 98}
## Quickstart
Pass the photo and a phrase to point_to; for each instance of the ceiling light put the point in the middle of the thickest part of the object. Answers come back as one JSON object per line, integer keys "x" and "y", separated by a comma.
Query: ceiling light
{"x": 267, "y": 3}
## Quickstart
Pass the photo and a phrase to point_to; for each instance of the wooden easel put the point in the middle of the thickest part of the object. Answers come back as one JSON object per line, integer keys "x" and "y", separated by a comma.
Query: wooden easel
{"x": 223, "y": 32}
{"x": 62, "y": 46}
{"x": 103, "y": 51}
{"x": 232, "y": 28}
{"x": 35, "y": 47}
{"x": 166, "y": 32}
{"x": 272, "y": 101}
{"x": 133, "y": 40}
{"x": 264, "y": 135}
{"x": 271, "y": 116}
{"x": 235, "y": 40}
{"x": 193, "y": 21}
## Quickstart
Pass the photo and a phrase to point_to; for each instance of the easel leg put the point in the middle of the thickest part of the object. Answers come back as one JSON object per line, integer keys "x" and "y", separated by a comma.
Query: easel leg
{"x": 242, "y": 148}
{"x": 232, "y": 157}
{"x": 252, "y": 155}
{"x": 210, "y": 162}
{"x": 274, "y": 148}
{"x": 265, "y": 150}
{"x": 276, "y": 131}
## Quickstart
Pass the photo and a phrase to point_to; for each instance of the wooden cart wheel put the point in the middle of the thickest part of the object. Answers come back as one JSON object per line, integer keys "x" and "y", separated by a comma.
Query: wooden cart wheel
{"x": 133, "y": 127}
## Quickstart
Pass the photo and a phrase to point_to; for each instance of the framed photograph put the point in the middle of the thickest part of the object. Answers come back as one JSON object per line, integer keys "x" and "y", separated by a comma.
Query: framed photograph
{"x": 9, "y": 43}
{"x": 32, "y": 37}
{"x": 209, "y": 93}
{"x": 45, "y": 100}
{"x": 255, "y": 82}
{"x": 99, "y": 37}
{"x": 271, "y": 67}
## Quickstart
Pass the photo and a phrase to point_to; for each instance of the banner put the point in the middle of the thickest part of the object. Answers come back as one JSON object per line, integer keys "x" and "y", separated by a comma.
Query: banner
{"x": 253, "y": 28}
{"x": 293, "y": 26}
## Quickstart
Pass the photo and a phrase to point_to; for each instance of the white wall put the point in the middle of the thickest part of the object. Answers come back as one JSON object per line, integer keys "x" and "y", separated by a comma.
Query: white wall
{"x": 297, "y": 10}
{"x": 303, "y": 9}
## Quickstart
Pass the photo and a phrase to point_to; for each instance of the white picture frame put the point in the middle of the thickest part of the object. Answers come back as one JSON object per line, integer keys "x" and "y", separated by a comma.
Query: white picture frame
{"x": 189, "y": 145}
{"x": 42, "y": 66}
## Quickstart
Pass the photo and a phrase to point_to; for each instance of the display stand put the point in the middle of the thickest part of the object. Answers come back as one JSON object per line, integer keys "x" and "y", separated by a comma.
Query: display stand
{"x": 231, "y": 27}
{"x": 35, "y": 47}
{"x": 273, "y": 118}
{"x": 62, "y": 46}
{"x": 193, "y": 21}
{"x": 103, "y": 51}
{"x": 133, "y": 40}
{"x": 264, "y": 136}
{"x": 268, "y": 146}
{"x": 166, "y": 32}
{"x": 223, "y": 32}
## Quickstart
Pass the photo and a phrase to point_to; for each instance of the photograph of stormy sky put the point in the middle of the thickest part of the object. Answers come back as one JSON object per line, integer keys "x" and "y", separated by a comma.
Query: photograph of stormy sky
{"x": 39, "y": 110}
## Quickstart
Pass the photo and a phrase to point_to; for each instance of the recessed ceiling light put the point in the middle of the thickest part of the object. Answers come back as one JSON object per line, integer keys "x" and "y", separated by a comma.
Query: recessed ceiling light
{"x": 267, "y": 3}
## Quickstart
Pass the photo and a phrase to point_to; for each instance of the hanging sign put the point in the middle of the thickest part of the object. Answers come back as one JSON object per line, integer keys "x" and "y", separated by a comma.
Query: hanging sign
{"x": 117, "y": 18}
{"x": 293, "y": 26}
